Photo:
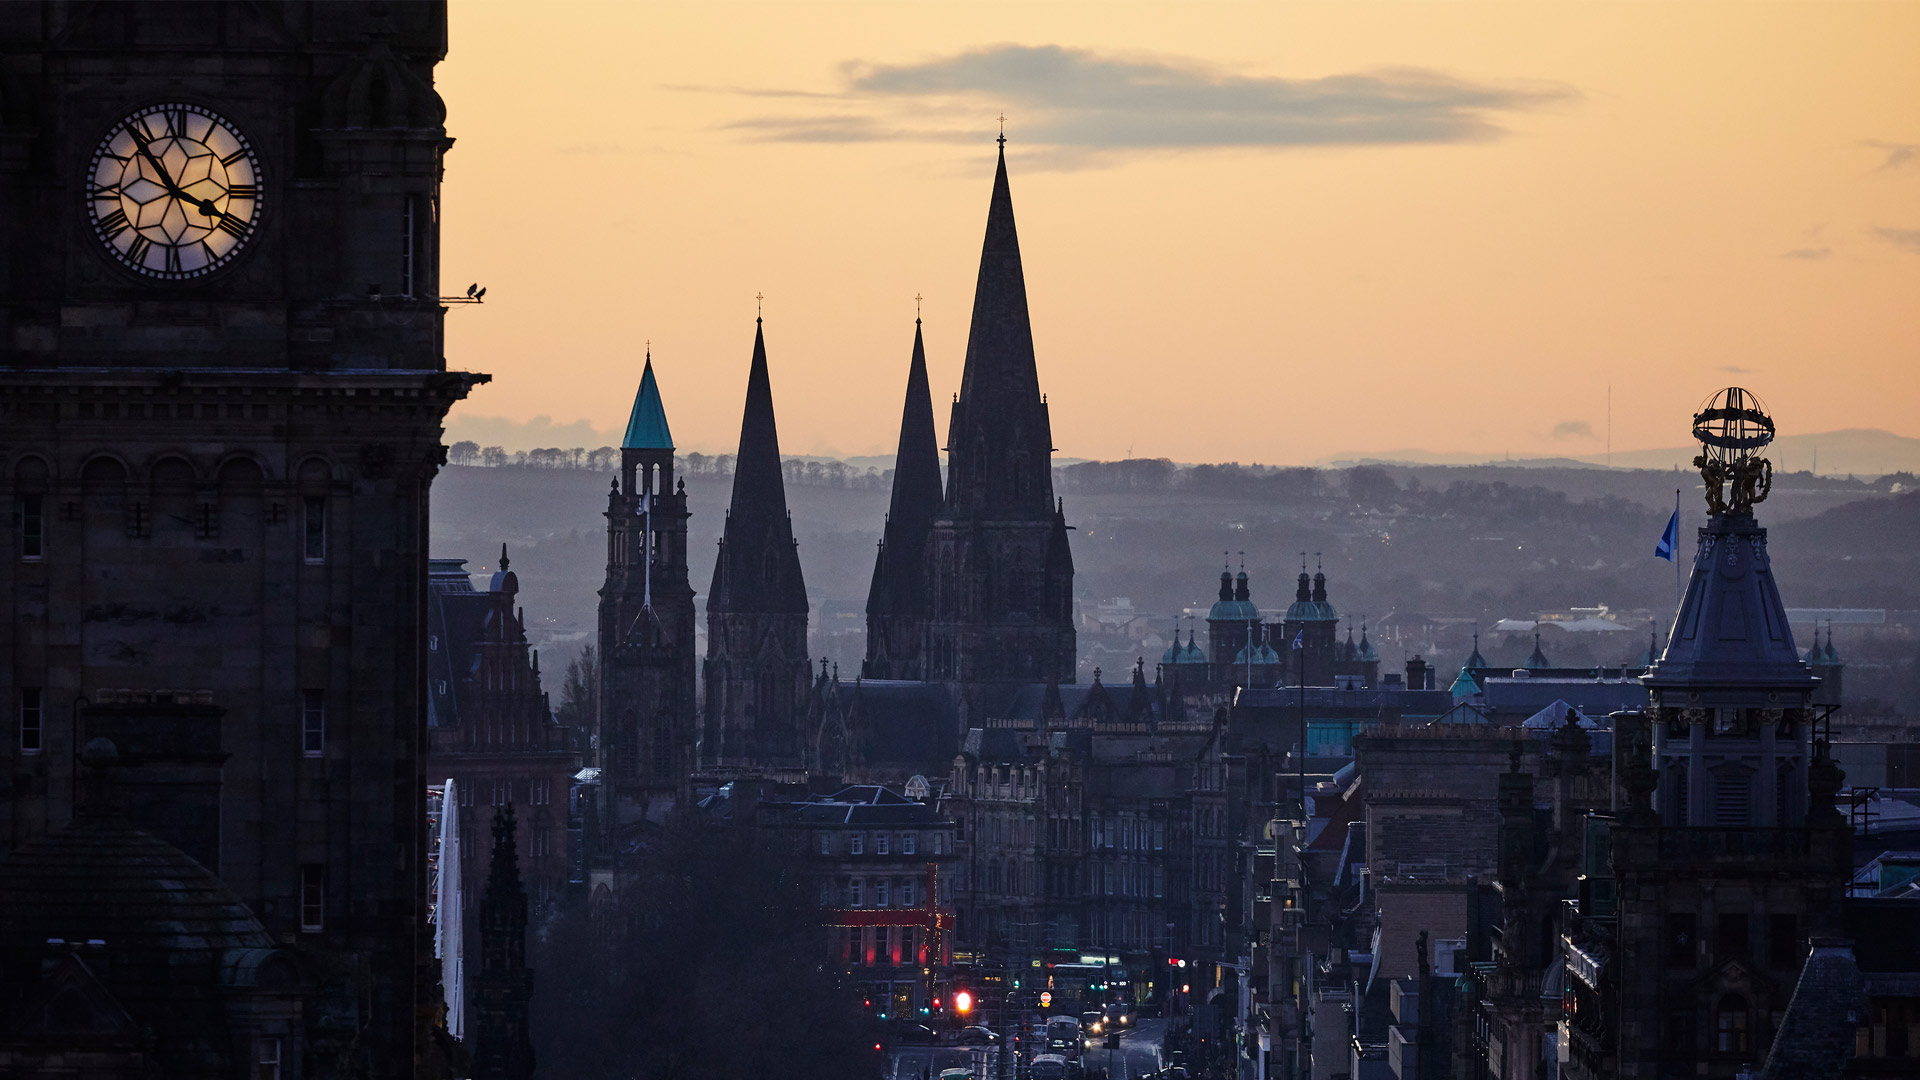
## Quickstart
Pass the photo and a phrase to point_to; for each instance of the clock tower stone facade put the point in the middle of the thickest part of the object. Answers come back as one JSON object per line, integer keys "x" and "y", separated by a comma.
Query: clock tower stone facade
{"x": 220, "y": 420}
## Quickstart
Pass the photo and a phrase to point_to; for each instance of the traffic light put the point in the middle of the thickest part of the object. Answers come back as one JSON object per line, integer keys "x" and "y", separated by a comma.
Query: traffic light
{"x": 962, "y": 1002}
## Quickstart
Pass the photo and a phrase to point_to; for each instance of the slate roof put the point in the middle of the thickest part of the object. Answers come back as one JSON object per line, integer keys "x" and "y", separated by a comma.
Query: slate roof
{"x": 1732, "y": 627}
{"x": 171, "y": 928}
{"x": 647, "y": 425}
{"x": 1816, "y": 1036}
{"x": 903, "y": 722}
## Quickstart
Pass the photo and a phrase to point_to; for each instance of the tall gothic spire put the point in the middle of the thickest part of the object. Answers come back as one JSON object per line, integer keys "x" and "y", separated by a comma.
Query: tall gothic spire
{"x": 1000, "y": 441}
{"x": 758, "y": 568}
{"x": 899, "y": 572}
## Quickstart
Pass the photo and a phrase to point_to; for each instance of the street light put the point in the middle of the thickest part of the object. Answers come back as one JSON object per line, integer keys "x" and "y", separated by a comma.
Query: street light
{"x": 963, "y": 1002}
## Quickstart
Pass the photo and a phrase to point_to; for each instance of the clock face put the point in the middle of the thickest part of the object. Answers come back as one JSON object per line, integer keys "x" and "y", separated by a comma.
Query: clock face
{"x": 174, "y": 192}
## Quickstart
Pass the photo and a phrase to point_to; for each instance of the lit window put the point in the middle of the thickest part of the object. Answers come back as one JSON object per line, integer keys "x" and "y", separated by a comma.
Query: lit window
{"x": 313, "y": 898}
{"x": 316, "y": 528}
{"x": 313, "y": 723}
{"x": 31, "y": 729}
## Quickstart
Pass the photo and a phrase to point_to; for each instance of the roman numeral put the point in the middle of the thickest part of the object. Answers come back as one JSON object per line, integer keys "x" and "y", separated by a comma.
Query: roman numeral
{"x": 244, "y": 191}
{"x": 234, "y": 227}
{"x": 114, "y": 224}
{"x": 233, "y": 157}
{"x": 137, "y": 253}
{"x": 103, "y": 191}
{"x": 206, "y": 253}
{"x": 173, "y": 260}
{"x": 176, "y": 123}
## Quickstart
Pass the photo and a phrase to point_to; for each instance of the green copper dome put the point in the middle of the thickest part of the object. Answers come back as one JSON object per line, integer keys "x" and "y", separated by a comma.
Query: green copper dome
{"x": 647, "y": 427}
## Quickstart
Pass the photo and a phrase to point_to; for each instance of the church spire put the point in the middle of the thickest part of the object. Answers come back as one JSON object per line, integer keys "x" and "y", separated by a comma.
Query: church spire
{"x": 647, "y": 424}
{"x": 899, "y": 571}
{"x": 1000, "y": 441}
{"x": 758, "y": 568}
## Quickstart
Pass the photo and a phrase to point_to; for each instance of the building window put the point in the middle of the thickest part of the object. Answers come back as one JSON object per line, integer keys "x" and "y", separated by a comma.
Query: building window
{"x": 313, "y": 723}
{"x": 826, "y": 843}
{"x": 857, "y": 844}
{"x": 1159, "y": 835}
{"x": 1730, "y": 938}
{"x": 1730, "y": 1025}
{"x": 857, "y": 893}
{"x": 315, "y": 531}
{"x": 880, "y": 893}
{"x": 407, "y": 205}
{"x": 1783, "y": 941}
{"x": 32, "y": 729}
{"x": 313, "y": 898}
{"x": 906, "y": 892}
{"x": 266, "y": 1059}
{"x": 906, "y": 844}
{"x": 880, "y": 844}
{"x": 33, "y": 526}
{"x": 1732, "y": 790}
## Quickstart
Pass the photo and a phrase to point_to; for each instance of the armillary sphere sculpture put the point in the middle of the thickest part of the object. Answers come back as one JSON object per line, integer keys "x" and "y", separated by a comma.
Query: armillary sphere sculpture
{"x": 1733, "y": 427}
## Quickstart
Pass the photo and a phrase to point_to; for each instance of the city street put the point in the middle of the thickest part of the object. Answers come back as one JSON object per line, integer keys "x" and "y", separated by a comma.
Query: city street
{"x": 1138, "y": 1056}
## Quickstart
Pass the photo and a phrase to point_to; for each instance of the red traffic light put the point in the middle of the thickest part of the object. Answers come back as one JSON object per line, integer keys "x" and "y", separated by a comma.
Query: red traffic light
{"x": 962, "y": 1002}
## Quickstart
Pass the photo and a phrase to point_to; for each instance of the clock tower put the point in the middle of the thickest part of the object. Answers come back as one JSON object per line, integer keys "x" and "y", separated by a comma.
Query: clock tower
{"x": 221, "y": 394}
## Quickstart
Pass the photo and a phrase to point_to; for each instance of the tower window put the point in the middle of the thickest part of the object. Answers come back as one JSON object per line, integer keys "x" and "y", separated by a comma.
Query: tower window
{"x": 33, "y": 526}
{"x": 266, "y": 1059}
{"x": 1732, "y": 790}
{"x": 407, "y": 230}
{"x": 315, "y": 532}
{"x": 313, "y": 723}
{"x": 313, "y": 898}
{"x": 31, "y": 729}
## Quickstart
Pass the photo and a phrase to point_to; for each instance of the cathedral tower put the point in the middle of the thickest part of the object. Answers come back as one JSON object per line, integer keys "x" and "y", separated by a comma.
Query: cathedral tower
{"x": 897, "y": 601}
{"x": 756, "y": 672}
{"x": 222, "y": 378}
{"x": 1002, "y": 571}
{"x": 647, "y": 715}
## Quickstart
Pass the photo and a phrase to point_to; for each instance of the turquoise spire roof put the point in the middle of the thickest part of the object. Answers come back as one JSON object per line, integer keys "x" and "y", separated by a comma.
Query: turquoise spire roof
{"x": 647, "y": 427}
{"x": 1463, "y": 686}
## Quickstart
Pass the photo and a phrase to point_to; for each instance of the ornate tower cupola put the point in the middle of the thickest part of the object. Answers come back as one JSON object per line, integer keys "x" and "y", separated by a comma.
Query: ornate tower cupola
{"x": 757, "y": 672}
{"x": 1002, "y": 569}
{"x": 899, "y": 600}
{"x": 1728, "y": 853}
{"x": 646, "y": 723}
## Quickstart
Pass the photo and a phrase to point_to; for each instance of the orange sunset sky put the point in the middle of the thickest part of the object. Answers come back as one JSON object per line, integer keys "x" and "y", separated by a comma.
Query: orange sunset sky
{"x": 1259, "y": 232}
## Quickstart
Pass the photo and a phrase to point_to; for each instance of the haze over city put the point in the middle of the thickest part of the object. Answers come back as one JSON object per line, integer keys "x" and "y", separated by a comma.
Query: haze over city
{"x": 1252, "y": 232}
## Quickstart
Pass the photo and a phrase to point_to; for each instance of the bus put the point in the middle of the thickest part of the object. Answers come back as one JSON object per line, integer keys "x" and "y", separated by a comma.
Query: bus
{"x": 1049, "y": 1066}
{"x": 1063, "y": 1036}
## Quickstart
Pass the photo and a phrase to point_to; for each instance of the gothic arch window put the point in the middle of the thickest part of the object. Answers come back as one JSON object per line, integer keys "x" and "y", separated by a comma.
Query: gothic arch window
{"x": 629, "y": 749}
{"x": 662, "y": 752}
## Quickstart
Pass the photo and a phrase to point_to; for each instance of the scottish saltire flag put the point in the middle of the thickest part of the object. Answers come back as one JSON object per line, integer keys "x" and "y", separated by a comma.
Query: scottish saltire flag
{"x": 1664, "y": 549}
{"x": 1299, "y": 638}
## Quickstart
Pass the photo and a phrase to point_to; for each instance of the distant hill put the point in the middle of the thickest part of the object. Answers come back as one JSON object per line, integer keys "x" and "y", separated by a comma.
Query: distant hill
{"x": 1864, "y": 452}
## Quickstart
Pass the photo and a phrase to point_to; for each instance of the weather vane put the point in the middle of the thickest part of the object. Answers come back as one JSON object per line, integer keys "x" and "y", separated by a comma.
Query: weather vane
{"x": 1003, "y": 131}
{"x": 1733, "y": 427}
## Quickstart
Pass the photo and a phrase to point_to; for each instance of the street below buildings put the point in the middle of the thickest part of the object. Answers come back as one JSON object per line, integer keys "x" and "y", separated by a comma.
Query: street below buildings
{"x": 1138, "y": 1056}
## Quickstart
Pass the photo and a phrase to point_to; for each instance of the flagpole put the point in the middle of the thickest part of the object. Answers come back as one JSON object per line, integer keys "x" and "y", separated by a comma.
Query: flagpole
{"x": 1676, "y": 552}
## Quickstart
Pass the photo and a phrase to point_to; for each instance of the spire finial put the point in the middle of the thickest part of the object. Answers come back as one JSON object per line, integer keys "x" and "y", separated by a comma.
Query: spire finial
{"x": 758, "y": 298}
{"x": 503, "y": 557}
{"x": 1003, "y": 132}
{"x": 916, "y": 309}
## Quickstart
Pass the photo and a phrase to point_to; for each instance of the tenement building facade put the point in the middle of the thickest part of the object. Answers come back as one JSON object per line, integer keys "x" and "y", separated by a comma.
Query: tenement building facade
{"x": 221, "y": 389}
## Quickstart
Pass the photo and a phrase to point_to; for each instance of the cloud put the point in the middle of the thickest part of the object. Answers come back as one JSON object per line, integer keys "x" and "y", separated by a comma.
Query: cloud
{"x": 1076, "y": 100}
{"x": 1907, "y": 239}
{"x": 1572, "y": 429}
{"x": 1811, "y": 254}
{"x": 1899, "y": 155}
{"x": 1736, "y": 369}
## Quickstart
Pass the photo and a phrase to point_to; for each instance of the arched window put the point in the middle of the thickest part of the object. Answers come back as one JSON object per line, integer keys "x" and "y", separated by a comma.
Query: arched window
{"x": 1730, "y": 1025}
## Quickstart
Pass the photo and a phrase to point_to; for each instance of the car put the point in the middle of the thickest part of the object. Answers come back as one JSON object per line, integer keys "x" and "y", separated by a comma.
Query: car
{"x": 906, "y": 1033}
{"x": 977, "y": 1035}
